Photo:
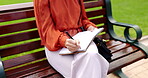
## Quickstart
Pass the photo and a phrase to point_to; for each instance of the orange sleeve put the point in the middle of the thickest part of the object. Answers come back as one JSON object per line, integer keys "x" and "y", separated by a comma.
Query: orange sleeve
{"x": 85, "y": 21}
{"x": 52, "y": 38}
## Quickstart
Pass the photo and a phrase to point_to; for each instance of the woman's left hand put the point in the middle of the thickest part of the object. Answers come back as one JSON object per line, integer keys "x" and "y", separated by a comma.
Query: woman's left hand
{"x": 90, "y": 28}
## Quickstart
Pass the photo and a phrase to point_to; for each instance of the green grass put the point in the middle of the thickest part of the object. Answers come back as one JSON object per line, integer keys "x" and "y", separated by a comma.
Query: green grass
{"x": 131, "y": 12}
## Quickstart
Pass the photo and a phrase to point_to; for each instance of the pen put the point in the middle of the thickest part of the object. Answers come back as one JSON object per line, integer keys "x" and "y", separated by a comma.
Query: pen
{"x": 69, "y": 35}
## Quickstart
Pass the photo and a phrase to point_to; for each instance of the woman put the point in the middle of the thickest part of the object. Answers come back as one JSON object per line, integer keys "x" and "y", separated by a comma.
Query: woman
{"x": 53, "y": 18}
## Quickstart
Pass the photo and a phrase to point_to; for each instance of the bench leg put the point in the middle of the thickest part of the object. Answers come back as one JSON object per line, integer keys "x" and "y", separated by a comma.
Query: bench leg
{"x": 120, "y": 74}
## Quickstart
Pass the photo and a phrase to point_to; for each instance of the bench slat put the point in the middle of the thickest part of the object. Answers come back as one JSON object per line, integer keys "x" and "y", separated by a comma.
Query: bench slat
{"x": 16, "y": 15}
{"x": 24, "y": 59}
{"x": 96, "y": 13}
{"x": 99, "y": 20}
{"x": 14, "y": 7}
{"x": 18, "y": 37}
{"x": 55, "y": 76}
{"x": 40, "y": 73}
{"x": 17, "y": 27}
{"x": 113, "y": 43}
{"x": 94, "y": 4}
{"x": 20, "y": 48}
{"x": 124, "y": 61}
{"x": 124, "y": 52}
{"x": 119, "y": 47}
{"x": 28, "y": 69}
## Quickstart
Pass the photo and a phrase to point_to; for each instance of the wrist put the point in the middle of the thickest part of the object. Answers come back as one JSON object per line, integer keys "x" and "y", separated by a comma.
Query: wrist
{"x": 62, "y": 41}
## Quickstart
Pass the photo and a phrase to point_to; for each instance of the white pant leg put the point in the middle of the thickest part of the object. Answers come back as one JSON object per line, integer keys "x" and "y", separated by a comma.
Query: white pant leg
{"x": 89, "y": 64}
{"x": 61, "y": 63}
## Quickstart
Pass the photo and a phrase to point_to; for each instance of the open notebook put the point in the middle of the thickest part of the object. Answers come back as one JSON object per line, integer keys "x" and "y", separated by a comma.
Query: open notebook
{"x": 85, "y": 39}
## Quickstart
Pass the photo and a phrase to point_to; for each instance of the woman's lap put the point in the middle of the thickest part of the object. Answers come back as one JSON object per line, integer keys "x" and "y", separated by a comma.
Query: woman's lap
{"x": 63, "y": 63}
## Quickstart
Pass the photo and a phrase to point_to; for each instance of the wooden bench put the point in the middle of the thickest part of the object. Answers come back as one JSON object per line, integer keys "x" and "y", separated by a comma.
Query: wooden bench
{"x": 23, "y": 56}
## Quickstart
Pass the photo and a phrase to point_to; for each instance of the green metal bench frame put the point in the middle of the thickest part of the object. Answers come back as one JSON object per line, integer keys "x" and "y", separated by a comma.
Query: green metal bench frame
{"x": 127, "y": 39}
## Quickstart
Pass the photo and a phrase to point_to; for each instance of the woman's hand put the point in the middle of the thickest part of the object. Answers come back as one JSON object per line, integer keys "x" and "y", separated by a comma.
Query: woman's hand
{"x": 90, "y": 28}
{"x": 72, "y": 45}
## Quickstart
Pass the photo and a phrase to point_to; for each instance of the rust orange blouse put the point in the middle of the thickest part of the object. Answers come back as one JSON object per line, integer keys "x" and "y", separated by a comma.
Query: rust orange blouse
{"x": 53, "y": 17}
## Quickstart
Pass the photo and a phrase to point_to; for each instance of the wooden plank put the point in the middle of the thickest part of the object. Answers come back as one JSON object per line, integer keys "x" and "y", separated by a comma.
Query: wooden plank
{"x": 20, "y": 48}
{"x": 42, "y": 73}
{"x": 23, "y": 59}
{"x": 27, "y": 69}
{"x": 19, "y": 37}
{"x": 16, "y": 15}
{"x": 30, "y": 69}
{"x": 17, "y": 27}
{"x": 119, "y": 47}
{"x": 55, "y": 76}
{"x": 96, "y": 13}
{"x": 122, "y": 62}
{"x": 94, "y": 4}
{"x": 113, "y": 43}
{"x": 29, "y": 5}
{"x": 122, "y": 52}
{"x": 14, "y": 7}
{"x": 99, "y": 20}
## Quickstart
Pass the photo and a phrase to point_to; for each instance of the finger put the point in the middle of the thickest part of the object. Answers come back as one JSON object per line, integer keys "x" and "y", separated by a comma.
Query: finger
{"x": 71, "y": 41}
{"x": 91, "y": 28}
{"x": 77, "y": 42}
{"x": 72, "y": 49}
{"x": 71, "y": 45}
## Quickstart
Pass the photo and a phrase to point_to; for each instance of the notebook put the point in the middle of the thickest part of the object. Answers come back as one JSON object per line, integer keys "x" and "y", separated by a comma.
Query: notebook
{"x": 85, "y": 38}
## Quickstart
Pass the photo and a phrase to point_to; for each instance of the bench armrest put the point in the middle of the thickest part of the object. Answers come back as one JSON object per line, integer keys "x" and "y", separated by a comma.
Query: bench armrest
{"x": 2, "y": 72}
{"x": 127, "y": 39}
{"x": 126, "y": 31}
{"x": 112, "y": 22}
{"x": 127, "y": 36}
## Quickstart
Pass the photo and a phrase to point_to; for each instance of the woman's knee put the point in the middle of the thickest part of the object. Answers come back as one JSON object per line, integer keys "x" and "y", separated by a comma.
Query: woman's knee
{"x": 92, "y": 54}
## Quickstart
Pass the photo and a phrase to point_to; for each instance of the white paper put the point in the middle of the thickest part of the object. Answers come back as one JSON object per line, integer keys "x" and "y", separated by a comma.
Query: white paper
{"x": 85, "y": 39}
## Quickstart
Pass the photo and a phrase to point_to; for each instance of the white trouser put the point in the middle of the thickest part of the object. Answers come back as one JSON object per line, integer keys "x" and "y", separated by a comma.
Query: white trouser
{"x": 89, "y": 64}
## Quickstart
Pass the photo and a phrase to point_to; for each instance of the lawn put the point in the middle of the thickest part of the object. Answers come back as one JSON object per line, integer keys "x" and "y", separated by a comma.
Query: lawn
{"x": 126, "y": 11}
{"x": 132, "y": 12}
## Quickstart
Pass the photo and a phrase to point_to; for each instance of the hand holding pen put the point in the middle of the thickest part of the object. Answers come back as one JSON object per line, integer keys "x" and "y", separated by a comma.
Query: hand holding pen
{"x": 71, "y": 44}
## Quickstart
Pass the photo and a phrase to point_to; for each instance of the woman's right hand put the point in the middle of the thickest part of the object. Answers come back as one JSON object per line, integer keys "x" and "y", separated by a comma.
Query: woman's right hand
{"x": 72, "y": 45}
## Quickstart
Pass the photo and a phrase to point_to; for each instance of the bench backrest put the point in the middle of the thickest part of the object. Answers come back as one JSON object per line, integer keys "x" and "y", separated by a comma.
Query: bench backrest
{"x": 20, "y": 47}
